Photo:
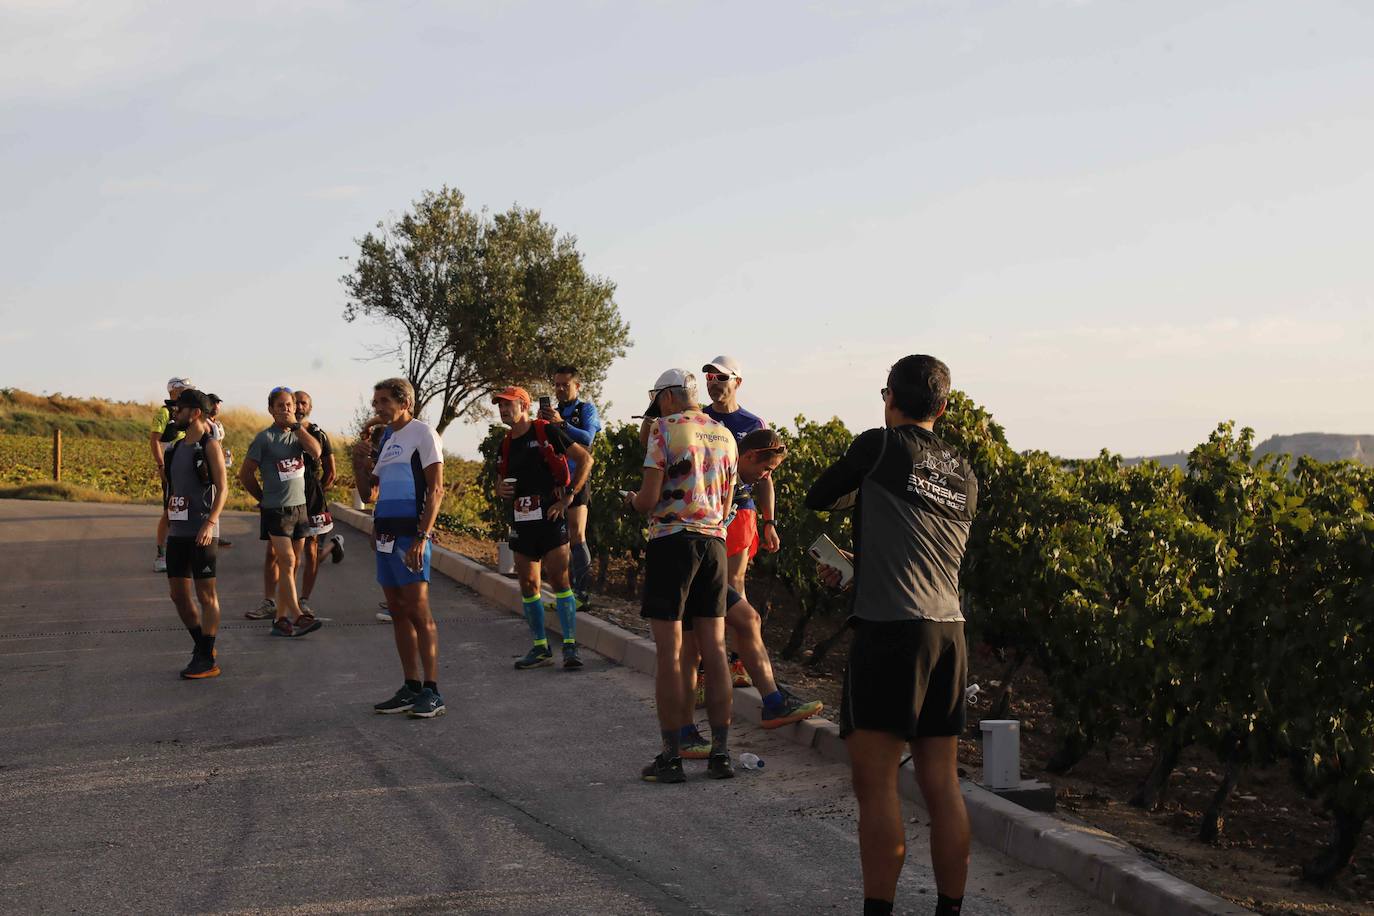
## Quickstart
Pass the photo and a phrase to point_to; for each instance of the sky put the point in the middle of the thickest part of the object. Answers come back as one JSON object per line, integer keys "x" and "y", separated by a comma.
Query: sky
{"x": 1119, "y": 223}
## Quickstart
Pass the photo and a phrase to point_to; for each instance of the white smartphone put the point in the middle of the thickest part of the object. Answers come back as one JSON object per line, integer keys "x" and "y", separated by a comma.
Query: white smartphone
{"x": 823, "y": 550}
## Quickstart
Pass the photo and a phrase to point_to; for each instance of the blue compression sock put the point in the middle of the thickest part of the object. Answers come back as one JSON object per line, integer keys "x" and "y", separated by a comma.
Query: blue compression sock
{"x": 534, "y": 616}
{"x": 773, "y": 699}
{"x": 566, "y": 603}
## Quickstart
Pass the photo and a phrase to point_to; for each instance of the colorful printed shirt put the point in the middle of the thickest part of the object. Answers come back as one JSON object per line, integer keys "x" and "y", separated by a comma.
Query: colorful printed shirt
{"x": 402, "y": 458}
{"x": 699, "y": 461}
{"x": 740, "y": 422}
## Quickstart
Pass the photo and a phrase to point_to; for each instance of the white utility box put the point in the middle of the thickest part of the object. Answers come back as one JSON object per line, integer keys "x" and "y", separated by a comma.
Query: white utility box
{"x": 1001, "y": 753}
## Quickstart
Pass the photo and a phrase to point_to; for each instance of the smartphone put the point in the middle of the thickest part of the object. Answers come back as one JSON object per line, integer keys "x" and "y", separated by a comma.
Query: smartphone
{"x": 823, "y": 550}
{"x": 545, "y": 403}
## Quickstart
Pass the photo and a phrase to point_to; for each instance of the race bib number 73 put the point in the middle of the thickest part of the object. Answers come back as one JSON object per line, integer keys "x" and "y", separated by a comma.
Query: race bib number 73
{"x": 527, "y": 509}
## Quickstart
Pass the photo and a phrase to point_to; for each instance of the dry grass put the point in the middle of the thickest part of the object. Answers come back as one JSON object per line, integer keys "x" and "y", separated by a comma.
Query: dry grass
{"x": 60, "y": 492}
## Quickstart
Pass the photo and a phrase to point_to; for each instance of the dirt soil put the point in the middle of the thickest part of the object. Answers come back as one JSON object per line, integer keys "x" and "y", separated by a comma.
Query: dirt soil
{"x": 1269, "y": 827}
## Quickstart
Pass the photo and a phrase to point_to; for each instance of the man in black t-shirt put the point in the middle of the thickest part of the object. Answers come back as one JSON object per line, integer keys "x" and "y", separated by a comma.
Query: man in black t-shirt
{"x": 534, "y": 475}
{"x": 319, "y": 477}
{"x": 914, "y": 498}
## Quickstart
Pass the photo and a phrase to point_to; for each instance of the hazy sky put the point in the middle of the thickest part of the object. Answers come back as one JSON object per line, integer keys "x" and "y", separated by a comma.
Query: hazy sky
{"x": 1118, "y": 222}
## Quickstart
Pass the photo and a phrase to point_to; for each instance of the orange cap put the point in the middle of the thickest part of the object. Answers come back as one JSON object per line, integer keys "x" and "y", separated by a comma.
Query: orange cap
{"x": 512, "y": 393}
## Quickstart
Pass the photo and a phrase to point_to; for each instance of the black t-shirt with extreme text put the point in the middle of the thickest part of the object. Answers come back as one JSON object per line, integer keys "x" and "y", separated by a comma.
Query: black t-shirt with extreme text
{"x": 534, "y": 488}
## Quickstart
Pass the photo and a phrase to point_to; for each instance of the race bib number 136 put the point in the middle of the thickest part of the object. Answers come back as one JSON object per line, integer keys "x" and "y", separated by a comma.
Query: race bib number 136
{"x": 176, "y": 509}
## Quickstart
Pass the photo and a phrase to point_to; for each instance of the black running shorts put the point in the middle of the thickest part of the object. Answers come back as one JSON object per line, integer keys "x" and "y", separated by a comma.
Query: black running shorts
{"x": 582, "y": 497}
{"x": 732, "y": 598}
{"x": 292, "y": 522}
{"x": 905, "y": 677}
{"x": 684, "y": 576}
{"x": 188, "y": 560}
{"x": 534, "y": 539}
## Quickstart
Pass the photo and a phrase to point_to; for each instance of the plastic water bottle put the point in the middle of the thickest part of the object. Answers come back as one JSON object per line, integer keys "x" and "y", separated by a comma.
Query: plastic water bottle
{"x": 751, "y": 761}
{"x": 971, "y": 694}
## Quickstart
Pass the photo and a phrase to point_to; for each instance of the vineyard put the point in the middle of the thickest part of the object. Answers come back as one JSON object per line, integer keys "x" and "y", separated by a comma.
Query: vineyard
{"x": 1225, "y": 607}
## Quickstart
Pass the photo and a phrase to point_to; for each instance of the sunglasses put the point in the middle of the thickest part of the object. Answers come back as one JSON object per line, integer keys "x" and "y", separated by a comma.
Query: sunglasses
{"x": 278, "y": 390}
{"x": 718, "y": 376}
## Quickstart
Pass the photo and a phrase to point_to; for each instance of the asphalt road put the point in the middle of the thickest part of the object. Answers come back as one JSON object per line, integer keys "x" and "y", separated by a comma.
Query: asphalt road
{"x": 275, "y": 789}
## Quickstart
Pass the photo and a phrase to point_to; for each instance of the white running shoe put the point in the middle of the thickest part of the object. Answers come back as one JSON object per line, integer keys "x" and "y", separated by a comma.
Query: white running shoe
{"x": 160, "y": 564}
{"x": 384, "y": 615}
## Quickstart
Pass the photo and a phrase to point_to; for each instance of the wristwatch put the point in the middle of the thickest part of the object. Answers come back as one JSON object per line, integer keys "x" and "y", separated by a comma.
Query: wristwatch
{"x": 769, "y": 521}
{"x": 294, "y": 427}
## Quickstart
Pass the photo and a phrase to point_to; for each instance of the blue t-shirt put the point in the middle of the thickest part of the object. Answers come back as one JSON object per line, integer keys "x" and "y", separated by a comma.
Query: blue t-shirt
{"x": 581, "y": 422}
{"x": 741, "y": 423}
{"x": 402, "y": 457}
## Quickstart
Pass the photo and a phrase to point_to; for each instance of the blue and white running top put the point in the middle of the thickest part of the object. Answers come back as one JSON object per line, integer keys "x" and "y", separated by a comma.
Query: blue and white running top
{"x": 402, "y": 458}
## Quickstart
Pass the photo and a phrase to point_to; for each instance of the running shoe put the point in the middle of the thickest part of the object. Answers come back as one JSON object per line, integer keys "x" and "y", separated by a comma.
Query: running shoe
{"x": 664, "y": 770}
{"x": 282, "y": 627}
{"x": 384, "y": 615}
{"x": 200, "y": 667}
{"x": 718, "y": 767}
{"x": 403, "y": 700}
{"x": 537, "y": 657}
{"x": 583, "y": 601}
{"x": 570, "y": 656}
{"x": 225, "y": 542}
{"x": 336, "y": 552}
{"x": 695, "y": 747}
{"x": 790, "y": 710}
{"x": 159, "y": 563}
{"x": 738, "y": 676}
{"x": 306, "y": 623}
{"x": 304, "y": 605}
{"x": 265, "y": 611}
{"x": 427, "y": 705}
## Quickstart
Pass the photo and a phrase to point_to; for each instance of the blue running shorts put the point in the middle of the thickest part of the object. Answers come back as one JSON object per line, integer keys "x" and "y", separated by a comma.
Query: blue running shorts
{"x": 392, "y": 571}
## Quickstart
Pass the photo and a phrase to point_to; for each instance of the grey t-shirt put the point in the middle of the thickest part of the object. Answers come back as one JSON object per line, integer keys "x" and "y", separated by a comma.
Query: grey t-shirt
{"x": 189, "y": 501}
{"x": 279, "y": 454}
{"x": 914, "y": 498}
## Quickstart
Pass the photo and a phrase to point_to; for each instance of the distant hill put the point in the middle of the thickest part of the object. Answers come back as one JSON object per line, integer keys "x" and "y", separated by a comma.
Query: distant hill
{"x": 1322, "y": 446}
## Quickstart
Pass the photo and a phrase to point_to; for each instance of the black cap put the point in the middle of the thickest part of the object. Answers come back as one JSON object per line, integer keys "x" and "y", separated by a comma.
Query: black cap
{"x": 193, "y": 398}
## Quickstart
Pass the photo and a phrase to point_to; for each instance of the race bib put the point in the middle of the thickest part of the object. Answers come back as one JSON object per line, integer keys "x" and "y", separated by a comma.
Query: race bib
{"x": 176, "y": 509}
{"x": 290, "y": 468}
{"x": 527, "y": 509}
{"x": 386, "y": 543}
{"x": 323, "y": 520}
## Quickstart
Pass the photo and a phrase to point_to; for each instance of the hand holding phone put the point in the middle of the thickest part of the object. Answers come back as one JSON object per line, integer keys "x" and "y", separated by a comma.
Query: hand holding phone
{"x": 824, "y": 552}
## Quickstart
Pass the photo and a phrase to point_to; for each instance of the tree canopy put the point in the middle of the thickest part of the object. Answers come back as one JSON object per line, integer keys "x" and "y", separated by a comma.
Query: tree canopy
{"x": 481, "y": 301}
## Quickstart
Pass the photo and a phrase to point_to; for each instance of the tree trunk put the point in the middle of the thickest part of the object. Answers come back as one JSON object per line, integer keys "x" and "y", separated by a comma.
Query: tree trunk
{"x": 1001, "y": 707}
{"x": 1214, "y": 818}
{"x": 1345, "y": 834}
{"x": 822, "y": 648}
{"x": 1073, "y": 748}
{"x": 1151, "y": 792}
{"x": 798, "y": 637}
{"x": 603, "y": 569}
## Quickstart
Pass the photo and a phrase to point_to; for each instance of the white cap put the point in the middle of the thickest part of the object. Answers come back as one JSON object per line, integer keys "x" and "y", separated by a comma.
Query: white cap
{"x": 176, "y": 382}
{"x": 724, "y": 364}
{"x": 676, "y": 378}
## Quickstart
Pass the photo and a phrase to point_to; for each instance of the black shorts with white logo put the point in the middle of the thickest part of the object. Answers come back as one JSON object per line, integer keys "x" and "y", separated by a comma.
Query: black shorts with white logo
{"x": 906, "y": 677}
{"x": 290, "y": 522}
{"x": 534, "y": 539}
{"x": 684, "y": 576}
{"x": 188, "y": 560}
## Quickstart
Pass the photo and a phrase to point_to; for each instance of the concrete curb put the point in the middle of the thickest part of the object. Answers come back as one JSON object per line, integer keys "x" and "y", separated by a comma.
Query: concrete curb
{"x": 1097, "y": 863}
